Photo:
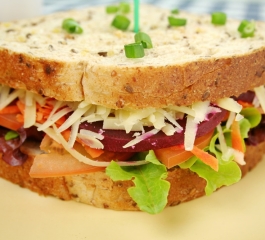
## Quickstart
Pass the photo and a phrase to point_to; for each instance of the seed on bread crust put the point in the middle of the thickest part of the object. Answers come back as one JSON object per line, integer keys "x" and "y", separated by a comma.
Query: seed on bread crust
{"x": 205, "y": 95}
{"x": 48, "y": 69}
{"x": 128, "y": 88}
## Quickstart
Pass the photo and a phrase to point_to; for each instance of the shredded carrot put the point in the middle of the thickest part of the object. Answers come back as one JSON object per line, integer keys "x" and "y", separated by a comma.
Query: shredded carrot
{"x": 21, "y": 106}
{"x": 60, "y": 121}
{"x": 237, "y": 141}
{"x": 39, "y": 117}
{"x": 66, "y": 134}
{"x": 10, "y": 110}
{"x": 44, "y": 111}
{"x": 20, "y": 118}
{"x": 93, "y": 152}
{"x": 207, "y": 158}
{"x": 245, "y": 104}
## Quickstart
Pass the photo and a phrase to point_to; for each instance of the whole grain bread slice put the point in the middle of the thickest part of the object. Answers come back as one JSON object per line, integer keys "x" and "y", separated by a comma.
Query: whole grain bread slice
{"x": 197, "y": 62}
{"x": 99, "y": 190}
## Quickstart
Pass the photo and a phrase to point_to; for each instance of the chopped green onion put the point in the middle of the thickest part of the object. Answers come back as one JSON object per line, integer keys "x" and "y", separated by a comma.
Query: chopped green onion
{"x": 134, "y": 50}
{"x": 124, "y": 7}
{"x": 71, "y": 26}
{"x": 177, "y": 22}
{"x": 143, "y": 38}
{"x": 218, "y": 18}
{"x": 11, "y": 135}
{"x": 242, "y": 25}
{"x": 121, "y": 22}
{"x": 112, "y": 9}
{"x": 246, "y": 28}
{"x": 175, "y": 11}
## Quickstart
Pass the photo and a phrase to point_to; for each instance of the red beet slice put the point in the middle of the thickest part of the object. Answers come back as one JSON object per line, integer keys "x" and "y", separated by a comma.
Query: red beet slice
{"x": 246, "y": 97}
{"x": 114, "y": 140}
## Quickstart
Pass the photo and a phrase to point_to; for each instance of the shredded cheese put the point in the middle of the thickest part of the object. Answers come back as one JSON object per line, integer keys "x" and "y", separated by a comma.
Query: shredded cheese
{"x": 201, "y": 110}
{"x": 92, "y": 118}
{"x": 6, "y": 97}
{"x": 73, "y": 134}
{"x": 239, "y": 117}
{"x": 171, "y": 119}
{"x": 169, "y": 130}
{"x": 230, "y": 119}
{"x": 30, "y": 110}
{"x": 115, "y": 124}
{"x": 56, "y": 106}
{"x": 92, "y": 134}
{"x": 229, "y": 104}
{"x": 255, "y": 102}
{"x": 90, "y": 141}
{"x": 260, "y": 93}
{"x": 140, "y": 138}
{"x": 54, "y": 117}
{"x": 183, "y": 109}
{"x": 223, "y": 146}
{"x": 73, "y": 118}
{"x": 190, "y": 133}
{"x": 130, "y": 117}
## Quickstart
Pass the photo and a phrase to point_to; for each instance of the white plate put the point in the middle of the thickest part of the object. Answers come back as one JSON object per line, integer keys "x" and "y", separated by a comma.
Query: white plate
{"x": 236, "y": 212}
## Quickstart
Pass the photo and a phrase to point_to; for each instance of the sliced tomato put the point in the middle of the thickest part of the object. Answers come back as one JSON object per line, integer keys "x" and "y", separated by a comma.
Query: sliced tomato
{"x": 60, "y": 163}
{"x": 55, "y": 165}
{"x": 175, "y": 155}
{"x": 10, "y": 121}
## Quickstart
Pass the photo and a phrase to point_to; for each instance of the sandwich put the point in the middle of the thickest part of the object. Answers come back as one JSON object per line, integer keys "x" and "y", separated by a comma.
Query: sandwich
{"x": 94, "y": 111}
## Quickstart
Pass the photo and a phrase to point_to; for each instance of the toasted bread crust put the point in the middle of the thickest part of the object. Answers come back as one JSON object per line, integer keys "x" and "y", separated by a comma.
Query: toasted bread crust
{"x": 45, "y": 77}
{"x": 161, "y": 86}
{"x": 135, "y": 87}
{"x": 99, "y": 190}
{"x": 194, "y": 63}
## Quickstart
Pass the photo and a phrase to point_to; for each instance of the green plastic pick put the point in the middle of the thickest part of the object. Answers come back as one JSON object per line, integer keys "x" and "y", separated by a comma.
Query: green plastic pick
{"x": 136, "y": 16}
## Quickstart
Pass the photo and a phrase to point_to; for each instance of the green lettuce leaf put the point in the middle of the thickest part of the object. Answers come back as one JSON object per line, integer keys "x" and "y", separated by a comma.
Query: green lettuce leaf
{"x": 188, "y": 163}
{"x": 228, "y": 174}
{"x": 245, "y": 126}
{"x": 212, "y": 147}
{"x": 151, "y": 190}
{"x": 252, "y": 115}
